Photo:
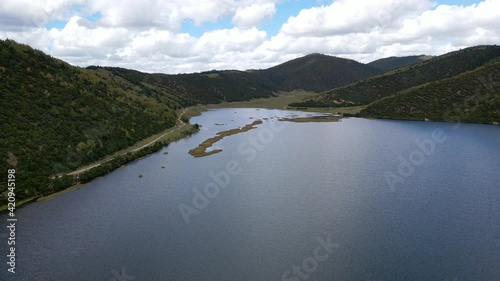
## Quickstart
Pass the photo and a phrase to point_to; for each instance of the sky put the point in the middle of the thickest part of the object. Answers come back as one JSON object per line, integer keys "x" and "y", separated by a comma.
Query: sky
{"x": 184, "y": 36}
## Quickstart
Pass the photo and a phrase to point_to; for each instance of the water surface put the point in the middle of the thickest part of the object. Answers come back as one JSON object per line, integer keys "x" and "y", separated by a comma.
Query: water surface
{"x": 297, "y": 183}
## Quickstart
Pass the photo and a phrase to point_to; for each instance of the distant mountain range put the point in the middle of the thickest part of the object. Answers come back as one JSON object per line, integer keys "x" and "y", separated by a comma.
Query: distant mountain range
{"x": 313, "y": 72}
{"x": 433, "y": 74}
{"x": 318, "y": 73}
{"x": 56, "y": 117}
{"x": 473, "y": 96}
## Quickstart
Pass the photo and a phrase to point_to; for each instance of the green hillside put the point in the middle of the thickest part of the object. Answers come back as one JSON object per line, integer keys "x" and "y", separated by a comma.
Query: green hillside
{"x": 203, "y": 88}
{"x": 313, "y": 72}
{"x": 318, "y": 73}
{"x": 391, "y": 63}
{"x": 56, "y": 117}
{"x": 377, "y": 87}
{"x": 470, "y": 97}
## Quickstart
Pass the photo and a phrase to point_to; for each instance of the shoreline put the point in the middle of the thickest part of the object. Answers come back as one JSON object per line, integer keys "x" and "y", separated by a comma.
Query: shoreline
{"x": 409, "y": 119}
{"x": 281, "y": 102}
{"x": 120, "y": 158}
{"x": 141, "y": 144}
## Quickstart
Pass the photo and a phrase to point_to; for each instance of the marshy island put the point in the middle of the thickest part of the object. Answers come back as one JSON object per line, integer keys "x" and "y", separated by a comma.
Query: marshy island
{"x": 201, "y": 150}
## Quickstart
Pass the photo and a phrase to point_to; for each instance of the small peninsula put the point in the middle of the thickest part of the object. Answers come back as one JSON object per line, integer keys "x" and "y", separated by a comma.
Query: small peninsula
{"x": 328, "y": 118}
{"x": 200, "y": 151}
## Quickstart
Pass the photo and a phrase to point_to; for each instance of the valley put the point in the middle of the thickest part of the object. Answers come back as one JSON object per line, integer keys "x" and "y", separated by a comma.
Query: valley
{"x": 82, "y": 118}
{"x": 225, "y": 140}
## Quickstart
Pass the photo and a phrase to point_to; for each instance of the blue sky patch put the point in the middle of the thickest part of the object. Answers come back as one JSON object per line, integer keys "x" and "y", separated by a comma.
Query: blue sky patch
{"x": 60, "y": 24}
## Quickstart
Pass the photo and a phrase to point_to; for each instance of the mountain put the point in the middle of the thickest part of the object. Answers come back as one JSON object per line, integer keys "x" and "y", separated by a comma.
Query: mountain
{"x": 469, "y": 97}
{"x": 391, "y": 63}
{"x": 393, "y": 82}
{"x": 200, "y": 88}
{"x": 317, "y": 72}
{"x": 313, "y": 72}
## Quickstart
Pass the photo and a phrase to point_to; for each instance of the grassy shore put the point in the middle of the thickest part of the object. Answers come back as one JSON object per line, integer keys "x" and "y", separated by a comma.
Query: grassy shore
{"x": 341, "y": 110}
{"x": 281, "y": 101}
{"x": 169, "y": 135}
{"x": 50, "y": 196}
{"x": 200, "y": 150}
{"x": 20, "y": 203}
{"x": 139, "y": 150}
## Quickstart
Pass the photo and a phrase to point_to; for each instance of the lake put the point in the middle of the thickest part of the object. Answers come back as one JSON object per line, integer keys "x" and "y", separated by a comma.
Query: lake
{"x": 364, "y": 200}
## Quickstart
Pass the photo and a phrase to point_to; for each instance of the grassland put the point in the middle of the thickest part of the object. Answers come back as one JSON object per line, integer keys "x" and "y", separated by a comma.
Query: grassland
{"x": 280, "y": 101}
{"x": 352, "y": 110}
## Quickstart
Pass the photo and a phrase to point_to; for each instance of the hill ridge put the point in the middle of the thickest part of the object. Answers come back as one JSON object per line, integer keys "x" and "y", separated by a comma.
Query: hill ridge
{"x": 471, "y": 96}
{"x": 394, "y": 62}
{"x": 379, "y": 86}
{"x": 318, "y": 72}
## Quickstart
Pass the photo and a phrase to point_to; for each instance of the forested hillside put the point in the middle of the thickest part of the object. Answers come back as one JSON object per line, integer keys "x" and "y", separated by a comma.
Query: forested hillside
{"x": 317, "y": 73}
{"x": 470, "y": 97}
{"x": 56, "y": 117}
{"x": 313, "y": 72}
{"x": 204, "y": 88}
{"x": 391, "y": 63}
{"x": 390, "y": 83}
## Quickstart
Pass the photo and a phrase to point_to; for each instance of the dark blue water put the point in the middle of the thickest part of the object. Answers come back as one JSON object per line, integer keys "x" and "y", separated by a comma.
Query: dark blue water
{"x": 313, "y": 201}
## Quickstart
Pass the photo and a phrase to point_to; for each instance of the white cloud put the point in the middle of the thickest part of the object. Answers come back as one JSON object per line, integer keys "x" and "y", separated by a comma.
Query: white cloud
{"x": 453, "y": 22}
{"x": 253, "y": 15}
{"x": 352, "y": 16}
{"x": 367, "y": 31}
{"x": 145, "y": 35}
{"x": 165, "y": 14}
{"x": 230, "y": 40}
{"x": 34, "y": 13}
